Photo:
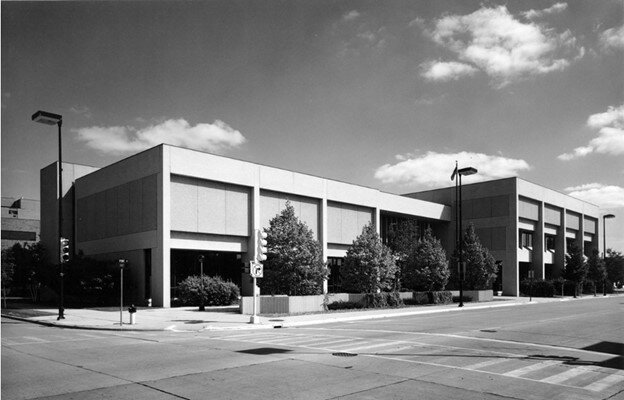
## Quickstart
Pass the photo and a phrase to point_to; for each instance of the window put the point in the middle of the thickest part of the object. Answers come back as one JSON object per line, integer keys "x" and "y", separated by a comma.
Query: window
{"x": 19, "y": 235}
{"x": 526, "y": 240}
{"x": 550, "y": 242}
{"x": 334, "y": 283}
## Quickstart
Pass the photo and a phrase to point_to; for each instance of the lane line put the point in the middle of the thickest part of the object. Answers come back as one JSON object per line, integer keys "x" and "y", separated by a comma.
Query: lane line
{"x": 372, "y": 346}
{"x": 605, "y": 382}
{"x": 564, "y": 376}
{"x": 530, "y": 368}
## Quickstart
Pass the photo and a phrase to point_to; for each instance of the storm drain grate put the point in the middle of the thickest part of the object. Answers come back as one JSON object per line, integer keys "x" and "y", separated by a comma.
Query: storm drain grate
{"x": 342, "y": 354}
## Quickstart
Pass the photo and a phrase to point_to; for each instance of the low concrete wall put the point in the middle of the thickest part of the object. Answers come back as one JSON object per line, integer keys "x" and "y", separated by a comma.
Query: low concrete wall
{"x": 283, "y": 304}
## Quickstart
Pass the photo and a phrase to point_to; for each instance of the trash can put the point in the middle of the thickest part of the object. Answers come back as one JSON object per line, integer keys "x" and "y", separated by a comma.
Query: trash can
{"x": 132, "y": 310}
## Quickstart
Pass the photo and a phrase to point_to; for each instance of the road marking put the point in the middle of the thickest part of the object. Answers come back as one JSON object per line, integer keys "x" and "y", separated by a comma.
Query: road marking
{"x": 486, "y": 363}
{"x": 324, "y": 343}
{"x": 350, "y": 349}
{"x": 605, "y": 382}
{"x": 530, "y": 368}
{"x": 564, "y": 376}
{"x": 36, "y": 339}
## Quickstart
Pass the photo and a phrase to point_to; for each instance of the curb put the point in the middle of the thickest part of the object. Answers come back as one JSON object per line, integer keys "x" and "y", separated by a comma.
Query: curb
{"x": 291, "y": 324}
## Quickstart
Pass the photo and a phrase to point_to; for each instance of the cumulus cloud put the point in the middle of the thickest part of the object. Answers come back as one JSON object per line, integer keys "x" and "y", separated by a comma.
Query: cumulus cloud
{"x": 612, "y": 39}
{"x": 604, "y": 196}
{"x": 351, "y": 15}
{"x": 536, "y": 14}
{"x": 126, "y": 139}
{"x": 508, "y": 50}
{"x": 435, "y": 169}
{"x": 446, "y": 71}
{"x": 81, "y": 110}
{"x": 610, "y": 139}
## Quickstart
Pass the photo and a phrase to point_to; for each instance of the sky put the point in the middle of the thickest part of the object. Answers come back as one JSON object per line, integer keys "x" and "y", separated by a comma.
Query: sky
{"x": 385, "y": 94}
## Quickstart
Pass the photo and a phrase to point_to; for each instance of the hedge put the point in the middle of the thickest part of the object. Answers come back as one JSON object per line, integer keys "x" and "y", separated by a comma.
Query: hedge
{"x": 216, "y": 291}
{"x": 541, "y": 288}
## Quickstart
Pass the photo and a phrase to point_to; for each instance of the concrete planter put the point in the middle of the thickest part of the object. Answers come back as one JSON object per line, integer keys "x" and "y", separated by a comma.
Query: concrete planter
{"x": 477, "y": 295}
{"x": 283, "y": 304}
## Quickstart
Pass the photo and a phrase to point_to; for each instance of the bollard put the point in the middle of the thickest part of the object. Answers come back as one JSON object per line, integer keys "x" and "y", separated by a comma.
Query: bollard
{"x": 132, "y": 310}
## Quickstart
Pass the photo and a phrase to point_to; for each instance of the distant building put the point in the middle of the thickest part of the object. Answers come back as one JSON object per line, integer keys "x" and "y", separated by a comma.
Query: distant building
{"x": 20, "y": 221}
{"x": 161, "y": 208}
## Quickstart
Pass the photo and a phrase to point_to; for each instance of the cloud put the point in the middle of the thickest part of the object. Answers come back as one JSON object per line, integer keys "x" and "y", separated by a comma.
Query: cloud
{"x": 506, "y": 49}
{"x": 435, "y": 169}
{"x": 604, "y": 196}
{"x": 612, "y": 39}
{"x": 126, "y": 139}
{"x": 610, "y": 139}
{"x": 536, "y": 14}
{"x": 351, "y": 15}
{"x": 81, "y": 110}
{"x": 446, "y": 71}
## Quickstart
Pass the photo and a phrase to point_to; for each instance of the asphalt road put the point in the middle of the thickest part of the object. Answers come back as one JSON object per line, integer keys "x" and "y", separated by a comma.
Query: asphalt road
{"x": 563, "y": 350}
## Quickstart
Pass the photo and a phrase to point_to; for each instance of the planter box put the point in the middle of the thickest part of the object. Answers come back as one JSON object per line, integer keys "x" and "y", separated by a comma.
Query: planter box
{"x": 283, "y": 304}
{"x": 477, "y": 295}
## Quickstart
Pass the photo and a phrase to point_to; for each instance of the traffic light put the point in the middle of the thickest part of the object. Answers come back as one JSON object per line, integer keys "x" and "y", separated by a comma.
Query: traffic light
{"x": 64, "y": 250}
{"x": 261, "y": 245}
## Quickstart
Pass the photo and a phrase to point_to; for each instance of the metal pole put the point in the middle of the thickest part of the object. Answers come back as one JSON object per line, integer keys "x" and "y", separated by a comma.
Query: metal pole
{"x": 201, "y": 273}
{"x": 461, "y": 255}
{"x": 61, "y": 311}
{"x": 121, "y": 296}
{"x": 604, "y": 253}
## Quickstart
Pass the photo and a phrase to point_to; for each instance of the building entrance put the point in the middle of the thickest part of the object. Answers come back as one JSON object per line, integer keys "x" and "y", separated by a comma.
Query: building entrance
{"x": 185, "y": 263}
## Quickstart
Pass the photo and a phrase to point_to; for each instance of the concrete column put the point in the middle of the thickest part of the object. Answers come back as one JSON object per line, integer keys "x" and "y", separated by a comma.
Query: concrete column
{"x": 539, "y": 244}
{"x": 246, "y": 279}
{"x": 161, "y": 263}
{"x": 377, "y": 221}
{"x": 323, "y": 235}
{"x": 560, "y": 246}
{"x": 511, "y": 285}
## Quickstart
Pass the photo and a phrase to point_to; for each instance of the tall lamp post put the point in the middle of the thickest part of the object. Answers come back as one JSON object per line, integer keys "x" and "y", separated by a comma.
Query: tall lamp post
{"x": 456, "y": 176}
{"x": 201, "y": 277}
{"x": 604, "y": 248}
{"x": 48, "y": 118}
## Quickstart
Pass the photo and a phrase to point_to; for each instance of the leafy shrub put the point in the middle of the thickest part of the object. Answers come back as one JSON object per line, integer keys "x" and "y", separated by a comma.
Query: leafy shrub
{"x": 345, "y": 305}
{"x": 589, "y": 286}
{"x": 465, "y": 299}
{"x": 215, "y": 291}
{"x": 569, "y": 287}
{"x": 541, "y": 288}
{"x": 442, "y": 297}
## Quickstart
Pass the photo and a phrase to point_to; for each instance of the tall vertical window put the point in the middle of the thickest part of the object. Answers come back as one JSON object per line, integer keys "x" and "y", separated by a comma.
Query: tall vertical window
{"x": 550, "y": 242}
{"x": 526, "y": 239}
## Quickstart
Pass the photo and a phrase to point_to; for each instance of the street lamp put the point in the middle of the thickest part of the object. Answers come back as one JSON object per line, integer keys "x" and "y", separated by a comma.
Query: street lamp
{"x": 604, "y": 249}
{"x": 457, "y": 174}
{"x": 47, "y": 118}
{"x": 201, "y": 277}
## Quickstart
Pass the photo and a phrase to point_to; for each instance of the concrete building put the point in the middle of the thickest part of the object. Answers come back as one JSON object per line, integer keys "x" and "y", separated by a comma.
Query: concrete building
{"x": 525, "y": 226}
{"x": 160, "y": 209}
{"x": 20, "y": 221}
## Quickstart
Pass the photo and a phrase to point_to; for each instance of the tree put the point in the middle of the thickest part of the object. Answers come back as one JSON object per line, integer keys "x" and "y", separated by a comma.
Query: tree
{"x": 614, "y": 263}
{"x": 425, "y": 267}
{"x": 575, "y": 268}
{"x": 403, "y": 241}
{"x": 596, "y": 270}
{"x": 8, "y": 270}
{"x": 369, "y": 266}
{"x": 294, "y": 264}
{"x": 30, "y": 268}
{"x": 480, "y": 264}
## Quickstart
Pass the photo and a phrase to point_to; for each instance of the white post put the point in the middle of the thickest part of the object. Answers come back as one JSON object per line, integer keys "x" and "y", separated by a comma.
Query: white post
{"x": 254, "y": 318}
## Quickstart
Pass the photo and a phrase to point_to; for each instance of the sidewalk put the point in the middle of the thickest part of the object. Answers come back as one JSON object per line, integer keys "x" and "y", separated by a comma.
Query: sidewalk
{"x": 189, "y": 319}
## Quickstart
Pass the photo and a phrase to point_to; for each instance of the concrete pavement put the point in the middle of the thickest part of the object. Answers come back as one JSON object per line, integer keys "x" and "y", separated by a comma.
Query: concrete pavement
{"x": 189, "y": 319}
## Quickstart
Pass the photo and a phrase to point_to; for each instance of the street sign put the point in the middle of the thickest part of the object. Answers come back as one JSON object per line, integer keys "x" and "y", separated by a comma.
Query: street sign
{"x": 256, "y": 270}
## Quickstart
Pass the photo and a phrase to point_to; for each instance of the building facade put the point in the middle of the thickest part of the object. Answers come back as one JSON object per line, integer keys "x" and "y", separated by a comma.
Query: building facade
{"x": 162, "y": 208}
{"x": 525, "y": 226}
{"x": 20, "y": 221}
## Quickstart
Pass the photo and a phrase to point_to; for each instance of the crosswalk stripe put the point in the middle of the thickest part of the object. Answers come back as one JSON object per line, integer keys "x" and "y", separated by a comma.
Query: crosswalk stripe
{"x": 282, "y": 339}
{"x": 324, "y": 343}
{"x": 342, "y": 346}
{"x": 35, "y": 339}
{"x": 530, "y": 368}
{"x": 371, "y": 346}
{"x": 486, "y": 363}
{"x": 605, "y": 382}
{"x": 564, "y": 376}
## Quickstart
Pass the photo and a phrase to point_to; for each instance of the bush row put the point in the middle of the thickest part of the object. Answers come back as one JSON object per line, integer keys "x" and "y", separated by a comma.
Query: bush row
{"x": 392, "y": 299}
{"x": 215, "y": 291}
{"x": 559, "y": 287}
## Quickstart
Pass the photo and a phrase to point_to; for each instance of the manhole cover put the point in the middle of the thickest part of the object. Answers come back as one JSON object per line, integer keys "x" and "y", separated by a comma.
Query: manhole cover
{"x": 344, "y": 354}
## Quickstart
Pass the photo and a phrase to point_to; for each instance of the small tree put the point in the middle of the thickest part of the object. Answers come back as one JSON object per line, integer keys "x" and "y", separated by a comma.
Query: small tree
{"x": 575, "y": 266}
{"x": 294, "y": 264}
{"x": 614, "y": 263}
{"x": 426, "y": 268}
{"x": 596, "y": 270}
{"x": 30, "y": 268}
{"x": 8, "y": 270}
{"x": 369, "y": 266}
{"x": 480, "y": 264}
